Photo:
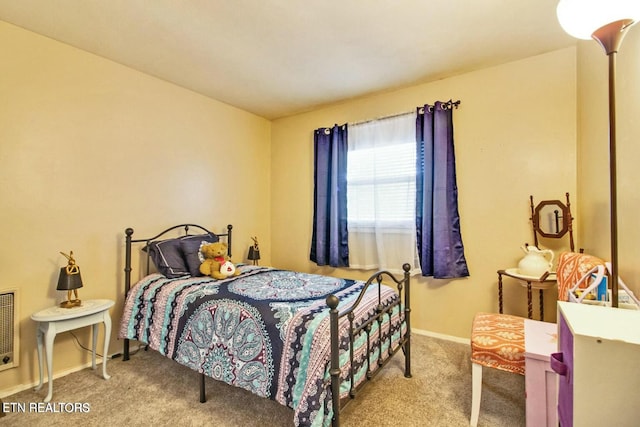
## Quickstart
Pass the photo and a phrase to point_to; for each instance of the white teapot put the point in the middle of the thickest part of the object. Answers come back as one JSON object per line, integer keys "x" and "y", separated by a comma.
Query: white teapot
{"x": 535, "y": 263}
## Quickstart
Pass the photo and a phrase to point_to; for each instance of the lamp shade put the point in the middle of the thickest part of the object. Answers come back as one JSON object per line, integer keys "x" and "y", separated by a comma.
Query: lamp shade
{"x": 254, "y": 253}
{"x": 581, "y": 18}
{"x": 69, "y": 281}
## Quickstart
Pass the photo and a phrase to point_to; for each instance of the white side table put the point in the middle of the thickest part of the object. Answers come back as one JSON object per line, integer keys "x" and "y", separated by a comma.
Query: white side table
{"x": 53, "y": 320}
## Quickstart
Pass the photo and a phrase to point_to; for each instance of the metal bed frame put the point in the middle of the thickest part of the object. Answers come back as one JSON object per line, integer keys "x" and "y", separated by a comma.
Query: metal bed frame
{"x": 376, "y": 280}
{"x": 404, "y": 344}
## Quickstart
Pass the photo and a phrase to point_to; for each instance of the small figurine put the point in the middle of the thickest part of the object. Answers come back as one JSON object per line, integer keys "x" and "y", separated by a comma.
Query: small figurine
{"x": 72, "y": 267}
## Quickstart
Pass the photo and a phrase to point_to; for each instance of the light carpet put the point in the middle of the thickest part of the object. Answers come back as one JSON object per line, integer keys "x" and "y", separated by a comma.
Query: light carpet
{"x": 150, "y": 389}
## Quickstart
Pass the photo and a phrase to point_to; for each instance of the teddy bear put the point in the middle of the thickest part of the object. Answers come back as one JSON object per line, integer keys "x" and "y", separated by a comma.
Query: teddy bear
{"x": 216, "y": 261}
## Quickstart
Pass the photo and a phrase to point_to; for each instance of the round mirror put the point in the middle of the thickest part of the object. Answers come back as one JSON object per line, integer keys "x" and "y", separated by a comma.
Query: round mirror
{"x": 551, "y": 218}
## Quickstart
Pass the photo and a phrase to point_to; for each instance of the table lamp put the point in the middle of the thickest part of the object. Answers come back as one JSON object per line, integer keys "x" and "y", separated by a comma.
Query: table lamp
{"x": 70, "y": 280}
{"x": 254, "y": 251}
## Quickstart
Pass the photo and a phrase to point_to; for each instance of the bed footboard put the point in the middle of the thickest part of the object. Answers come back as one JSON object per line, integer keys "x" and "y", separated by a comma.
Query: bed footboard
{"x": 404, "y": 343}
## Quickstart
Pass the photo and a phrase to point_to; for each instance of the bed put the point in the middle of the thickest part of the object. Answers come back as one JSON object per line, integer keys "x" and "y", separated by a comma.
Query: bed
{"x": 307, "y": 341}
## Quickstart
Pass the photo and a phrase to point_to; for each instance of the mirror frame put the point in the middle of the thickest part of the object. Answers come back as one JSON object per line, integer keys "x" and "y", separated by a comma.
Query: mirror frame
{"x": 564, "y": 228}
{"x": 567, "y": 220}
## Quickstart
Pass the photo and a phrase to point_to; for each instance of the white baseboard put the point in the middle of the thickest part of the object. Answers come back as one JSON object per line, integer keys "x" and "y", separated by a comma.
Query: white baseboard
{"x": 440, "y": 336}
{"x": 23, "y": 387}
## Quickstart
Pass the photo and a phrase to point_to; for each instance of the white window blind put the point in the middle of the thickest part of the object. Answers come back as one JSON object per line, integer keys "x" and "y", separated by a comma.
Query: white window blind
{"x": 381, "y": 176}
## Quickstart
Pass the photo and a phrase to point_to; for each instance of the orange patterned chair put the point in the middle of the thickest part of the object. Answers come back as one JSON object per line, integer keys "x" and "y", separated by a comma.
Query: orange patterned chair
{"x": 497, "y": 340}
{"x": 571, "y": 268}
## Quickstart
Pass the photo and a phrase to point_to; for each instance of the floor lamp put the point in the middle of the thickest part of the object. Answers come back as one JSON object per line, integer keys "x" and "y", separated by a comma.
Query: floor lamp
{"x": 607, "y": 22}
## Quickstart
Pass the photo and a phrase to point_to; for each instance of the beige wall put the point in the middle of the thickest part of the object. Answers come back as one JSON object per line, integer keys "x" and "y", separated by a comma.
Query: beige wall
{"x": 88, "y": 148}
{"x": 515, "y": 135}
{"x": 593, "y": 153}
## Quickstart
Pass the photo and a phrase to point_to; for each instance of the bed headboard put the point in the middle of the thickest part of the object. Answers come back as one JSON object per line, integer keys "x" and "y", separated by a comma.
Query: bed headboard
{"x": 130, "y": 241}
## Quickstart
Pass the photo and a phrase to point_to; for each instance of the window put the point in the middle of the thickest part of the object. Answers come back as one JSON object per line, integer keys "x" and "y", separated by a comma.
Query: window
{"x": 381, "y": 192}
{"x": 383, "y": 178}
{"x": 381, "y": 185}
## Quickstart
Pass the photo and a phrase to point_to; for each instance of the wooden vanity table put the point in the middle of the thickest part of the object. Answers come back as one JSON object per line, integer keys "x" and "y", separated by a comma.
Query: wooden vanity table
{"x": 550, "y": 219}
{"x": 547, "y": 281}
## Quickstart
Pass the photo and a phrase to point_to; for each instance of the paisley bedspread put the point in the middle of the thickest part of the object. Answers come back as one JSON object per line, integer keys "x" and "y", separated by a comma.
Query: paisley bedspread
{"x": 265, "y": 330}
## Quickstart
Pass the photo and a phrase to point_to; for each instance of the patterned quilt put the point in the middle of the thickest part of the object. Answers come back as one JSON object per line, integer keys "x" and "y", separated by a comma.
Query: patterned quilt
{"x": 266, "y": 330}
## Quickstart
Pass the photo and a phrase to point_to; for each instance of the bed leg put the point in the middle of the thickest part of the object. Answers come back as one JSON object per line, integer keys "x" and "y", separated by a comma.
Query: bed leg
{"x": 334, "y": 370}
{"x": 407, "y": 317}
{"x": 407, "y": 358}
{"x": 126, "y": 350}
{"x": 203, "y": 398}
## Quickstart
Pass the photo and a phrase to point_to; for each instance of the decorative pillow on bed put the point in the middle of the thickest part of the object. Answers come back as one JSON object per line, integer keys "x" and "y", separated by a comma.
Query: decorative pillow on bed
{"x": 167, "y": 257}
{"x": 190, "y": 246}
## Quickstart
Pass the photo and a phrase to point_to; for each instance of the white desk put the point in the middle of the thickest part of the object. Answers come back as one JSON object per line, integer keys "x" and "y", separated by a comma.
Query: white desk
{"x": 53, "y": 320}
{"x": 540, "y": 340}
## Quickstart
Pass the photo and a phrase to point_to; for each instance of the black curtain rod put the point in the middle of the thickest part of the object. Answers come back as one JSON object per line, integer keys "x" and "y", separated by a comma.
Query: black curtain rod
{"x": 444, "y": 105}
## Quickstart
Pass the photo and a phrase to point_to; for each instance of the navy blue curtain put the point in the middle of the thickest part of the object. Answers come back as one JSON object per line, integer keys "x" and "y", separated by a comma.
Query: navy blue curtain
{"x": 440, "y": 247}
{"x": 329, "y": 241}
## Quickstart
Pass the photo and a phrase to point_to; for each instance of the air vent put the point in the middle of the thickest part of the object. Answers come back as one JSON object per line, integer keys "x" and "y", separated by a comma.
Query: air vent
{"x": 8, "y": 330}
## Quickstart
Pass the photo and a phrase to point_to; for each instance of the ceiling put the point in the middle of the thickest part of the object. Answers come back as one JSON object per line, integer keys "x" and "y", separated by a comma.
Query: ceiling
{"x": 276, "y": 58}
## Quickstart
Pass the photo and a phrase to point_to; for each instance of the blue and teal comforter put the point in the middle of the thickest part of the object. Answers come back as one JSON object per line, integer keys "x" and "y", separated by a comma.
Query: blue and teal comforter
{"x": 266, "y": 330}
